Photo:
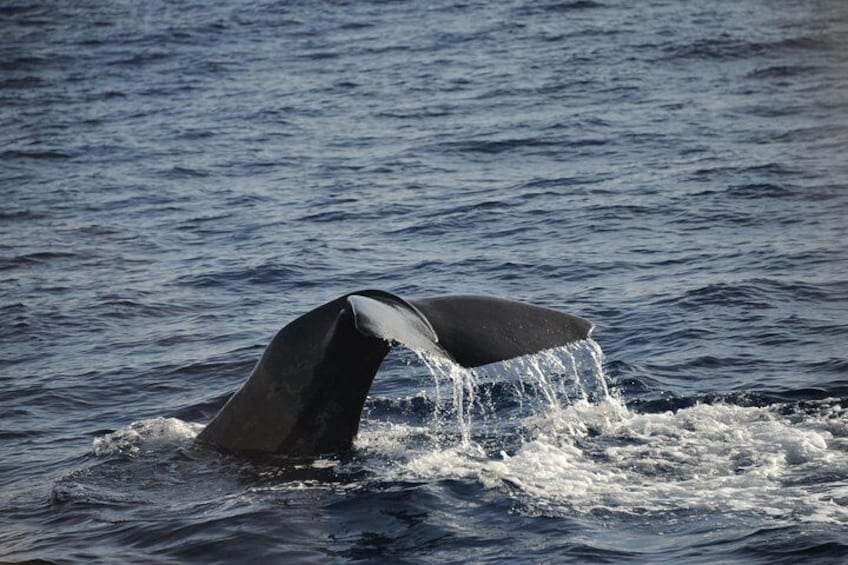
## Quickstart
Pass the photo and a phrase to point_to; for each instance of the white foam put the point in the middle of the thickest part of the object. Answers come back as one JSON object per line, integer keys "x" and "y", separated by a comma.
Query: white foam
{"x": 718, "y": 457}
{"x": 579, "y": 449}
{"x": 156, "y": 434}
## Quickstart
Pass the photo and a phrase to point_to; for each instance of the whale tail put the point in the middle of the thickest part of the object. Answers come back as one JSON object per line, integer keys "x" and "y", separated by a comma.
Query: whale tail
{"x": 306, "y": 393}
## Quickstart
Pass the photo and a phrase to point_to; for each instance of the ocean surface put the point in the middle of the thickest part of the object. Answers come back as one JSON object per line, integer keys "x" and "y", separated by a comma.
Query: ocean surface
{"x": 178, "y": 180}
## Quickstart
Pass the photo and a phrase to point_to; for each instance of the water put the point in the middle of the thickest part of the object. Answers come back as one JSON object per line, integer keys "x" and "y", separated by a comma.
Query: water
{"x": 179, "y": 180}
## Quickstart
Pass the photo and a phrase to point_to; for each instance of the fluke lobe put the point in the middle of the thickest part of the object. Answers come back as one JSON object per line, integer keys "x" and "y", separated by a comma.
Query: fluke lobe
{"x": 306, "y": 393}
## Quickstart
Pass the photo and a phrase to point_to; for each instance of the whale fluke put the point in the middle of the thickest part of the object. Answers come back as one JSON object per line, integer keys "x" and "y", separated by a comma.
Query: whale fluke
{"x": 306, "y": 393}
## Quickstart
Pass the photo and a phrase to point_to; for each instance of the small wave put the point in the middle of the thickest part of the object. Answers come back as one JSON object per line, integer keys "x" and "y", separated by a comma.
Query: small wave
{"x": 498, "y": 146}
{"x": 726, "y": 47}
{"x": 36, "y": 258}
{"x": 725, "y": 294}
{"x": 756, "y": 191}
{"x": 178, "y": 172}
{"x": 128, "y": 308}
{"x": 758, "y": 293}
{"x": 331, "y": 216}
{"x": 782, "y": 71}
{"x": 44, "y": 155}
{"x": 141, "y": 59}
{"x": 21, "y": 83}
{"x": 16, "y": 215}
{"x": 153, "y": 435}
{"x": 18, "y": 10}
{"x": 261, "y": 274}
{"x": 558, "y": 7}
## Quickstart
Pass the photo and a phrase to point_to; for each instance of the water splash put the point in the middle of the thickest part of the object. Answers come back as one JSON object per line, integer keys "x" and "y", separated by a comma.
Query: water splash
{"x": 547, "y": 430}
{"x": 541, "y": 382}
{"x": 155, "y": 434}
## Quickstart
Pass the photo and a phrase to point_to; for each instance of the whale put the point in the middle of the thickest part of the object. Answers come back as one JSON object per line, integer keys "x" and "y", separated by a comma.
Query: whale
{"x": 305, "y": 395}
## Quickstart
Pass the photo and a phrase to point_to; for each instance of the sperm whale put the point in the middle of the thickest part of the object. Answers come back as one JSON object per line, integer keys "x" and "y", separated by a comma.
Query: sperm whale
{"x": 306, "y": 393}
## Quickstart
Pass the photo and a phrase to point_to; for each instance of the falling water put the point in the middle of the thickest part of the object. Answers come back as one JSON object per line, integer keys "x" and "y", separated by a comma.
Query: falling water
{"x": 548, "y": 430}
{"x": 540, "y": 383}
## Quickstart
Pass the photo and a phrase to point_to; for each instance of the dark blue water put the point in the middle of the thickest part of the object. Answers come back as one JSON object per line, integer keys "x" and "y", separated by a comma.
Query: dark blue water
{"x": 181, "y": 179}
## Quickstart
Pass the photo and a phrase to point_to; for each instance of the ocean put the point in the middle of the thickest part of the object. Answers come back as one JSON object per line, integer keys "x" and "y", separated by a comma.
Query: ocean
{"x": 179, "y": 180}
